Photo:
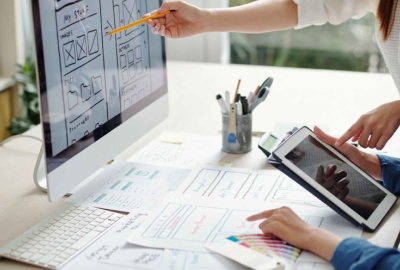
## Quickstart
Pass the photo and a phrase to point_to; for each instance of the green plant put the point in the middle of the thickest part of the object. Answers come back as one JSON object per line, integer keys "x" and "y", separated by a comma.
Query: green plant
{"x": 26, "y": 76}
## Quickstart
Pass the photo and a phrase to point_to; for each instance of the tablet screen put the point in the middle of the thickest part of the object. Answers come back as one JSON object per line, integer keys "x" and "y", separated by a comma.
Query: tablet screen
{"x": 336, "y": 176}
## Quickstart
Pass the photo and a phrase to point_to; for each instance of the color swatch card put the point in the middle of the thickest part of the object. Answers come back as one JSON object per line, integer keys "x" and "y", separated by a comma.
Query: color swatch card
{"x": 252, "y": 251}
{"x": 265, "y": 244}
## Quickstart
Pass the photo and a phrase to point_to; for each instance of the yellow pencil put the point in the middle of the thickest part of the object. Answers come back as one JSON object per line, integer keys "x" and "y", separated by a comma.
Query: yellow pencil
{"x": 137, "y": 23}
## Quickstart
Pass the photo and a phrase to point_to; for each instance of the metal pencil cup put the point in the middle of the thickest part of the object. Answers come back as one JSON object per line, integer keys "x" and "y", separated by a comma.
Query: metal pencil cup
{"x": 244, "y": 134}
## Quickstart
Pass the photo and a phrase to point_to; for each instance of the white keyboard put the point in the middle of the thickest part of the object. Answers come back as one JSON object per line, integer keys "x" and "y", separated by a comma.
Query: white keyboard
{"x": 57, "y": 239}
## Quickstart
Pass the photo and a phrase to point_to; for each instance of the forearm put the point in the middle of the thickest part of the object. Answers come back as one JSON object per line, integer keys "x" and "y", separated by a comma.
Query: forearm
{"x": 257, "y": 17}
{"x": 370, "y": 164}
{"x": 323, "y": 243}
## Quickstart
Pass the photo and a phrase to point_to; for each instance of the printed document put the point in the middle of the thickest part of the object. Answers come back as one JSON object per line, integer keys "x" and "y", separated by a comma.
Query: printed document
{"x": 181, "y": 150}
{"x": 125, "y": 186}
{"x": 112, "y": 251}
{"x": 245, "y": 184}
{"x": 188, "y": 223}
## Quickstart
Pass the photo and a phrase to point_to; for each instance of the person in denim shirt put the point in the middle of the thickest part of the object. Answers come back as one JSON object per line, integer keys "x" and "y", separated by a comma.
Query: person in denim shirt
{"x": 344, "y": 254}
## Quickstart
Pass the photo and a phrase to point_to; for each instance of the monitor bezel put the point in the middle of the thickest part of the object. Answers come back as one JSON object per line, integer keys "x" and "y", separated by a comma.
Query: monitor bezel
{"x": 99, "y": 152}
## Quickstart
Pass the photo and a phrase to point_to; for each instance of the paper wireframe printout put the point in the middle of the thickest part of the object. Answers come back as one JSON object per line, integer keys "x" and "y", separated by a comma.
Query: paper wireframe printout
{"x": 188, "y": 223}
{"x": 125, "y": 186}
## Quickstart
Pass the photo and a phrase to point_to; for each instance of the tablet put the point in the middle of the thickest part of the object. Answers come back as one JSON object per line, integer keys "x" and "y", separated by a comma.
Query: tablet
{"x": 325, "y": 171}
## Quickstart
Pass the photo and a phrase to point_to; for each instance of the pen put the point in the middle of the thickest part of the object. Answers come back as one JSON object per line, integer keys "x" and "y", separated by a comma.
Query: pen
{"x": 137, "y": 23}
{"x": 222, "y": 104}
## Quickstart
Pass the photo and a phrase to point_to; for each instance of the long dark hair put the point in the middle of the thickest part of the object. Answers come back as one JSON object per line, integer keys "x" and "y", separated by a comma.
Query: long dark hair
{"x": 386, "y": 15}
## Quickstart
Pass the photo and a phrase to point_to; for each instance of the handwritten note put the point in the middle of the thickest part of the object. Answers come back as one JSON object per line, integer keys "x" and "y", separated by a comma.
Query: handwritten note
{"x": 112, "y": 250}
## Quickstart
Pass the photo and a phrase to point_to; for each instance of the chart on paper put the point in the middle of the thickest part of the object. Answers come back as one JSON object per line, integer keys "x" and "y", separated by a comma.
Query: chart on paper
{"x": 239, "y": 183}
{"x": 187, "y": 223}
{"x": 101, "y": 76}
{"x": 126, "y": 186}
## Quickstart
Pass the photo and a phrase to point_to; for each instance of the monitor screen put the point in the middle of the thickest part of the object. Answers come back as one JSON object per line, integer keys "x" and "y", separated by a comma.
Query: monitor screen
{"x": 314, "y": 159}
{"x": 91, "y": 83}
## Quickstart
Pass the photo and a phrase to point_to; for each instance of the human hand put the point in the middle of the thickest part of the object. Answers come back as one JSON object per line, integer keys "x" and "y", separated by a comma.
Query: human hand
{"x": 367, "y": 162}
{"x": 335, "y": 183}
{"x": 184, "y": 20}
{"x": 288, "y": 226}
{"x": 375, "y": 128}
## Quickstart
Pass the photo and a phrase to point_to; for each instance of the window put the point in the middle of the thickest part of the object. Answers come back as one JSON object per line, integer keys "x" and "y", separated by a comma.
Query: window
{"x": 349, "y": 46}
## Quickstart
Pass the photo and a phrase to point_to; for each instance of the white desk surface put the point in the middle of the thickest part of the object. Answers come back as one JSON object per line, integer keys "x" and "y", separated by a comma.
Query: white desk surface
{"x": 298, "y": 95}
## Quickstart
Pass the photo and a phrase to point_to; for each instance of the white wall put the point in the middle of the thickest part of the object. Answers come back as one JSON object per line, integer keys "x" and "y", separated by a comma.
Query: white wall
{"x": 210, "y": 47}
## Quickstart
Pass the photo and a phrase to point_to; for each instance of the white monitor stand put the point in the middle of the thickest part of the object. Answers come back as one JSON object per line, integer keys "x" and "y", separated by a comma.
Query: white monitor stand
{"x": 39, "y": 174}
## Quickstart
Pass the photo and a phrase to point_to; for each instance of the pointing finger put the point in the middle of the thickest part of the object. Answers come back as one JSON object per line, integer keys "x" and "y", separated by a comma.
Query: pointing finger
{"x": 349, "y": 133}
{"x": 323, "y": 136}
{"x": 262, "y": 215}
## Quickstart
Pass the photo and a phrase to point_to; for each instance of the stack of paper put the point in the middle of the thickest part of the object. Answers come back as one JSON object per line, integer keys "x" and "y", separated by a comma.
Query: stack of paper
{"x": 178, "y": 204}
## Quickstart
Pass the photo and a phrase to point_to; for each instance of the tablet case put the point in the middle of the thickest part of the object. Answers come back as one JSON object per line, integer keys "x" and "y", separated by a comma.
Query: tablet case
{"x": 274, "y": 161}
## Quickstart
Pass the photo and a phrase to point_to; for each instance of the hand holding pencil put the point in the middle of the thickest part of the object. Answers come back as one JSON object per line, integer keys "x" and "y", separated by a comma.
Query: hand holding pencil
{"x": 183, "y": 21}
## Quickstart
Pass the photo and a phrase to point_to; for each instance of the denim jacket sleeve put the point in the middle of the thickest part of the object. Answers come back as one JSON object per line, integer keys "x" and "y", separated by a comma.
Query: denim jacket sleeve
{"x": 390, "y": 173}
{"x": 359, "y": 254}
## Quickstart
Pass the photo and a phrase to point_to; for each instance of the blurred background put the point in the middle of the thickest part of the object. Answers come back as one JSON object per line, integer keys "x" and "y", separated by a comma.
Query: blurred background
{"x": 350, "y": 47}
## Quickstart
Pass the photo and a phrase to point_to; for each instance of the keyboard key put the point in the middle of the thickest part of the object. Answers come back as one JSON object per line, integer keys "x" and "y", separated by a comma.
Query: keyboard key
{"x": 22, "y": 249}
{"x": 47, "y": 258}
{"x": 26, "y": 255}
{"x": 98, "y": 212}
{"x": 105, "y": 215}
{"x": 82, "y": 208}
{"x": 68, "y": 253}
{"x": 15, "y": 254}
{"x": 90, "y": 227}
{"x": 34, "y": 250}
{"x": 62, "y": 237}
{"x": 100, "y": 229}
{"x": 53, "y": 264}
{"x": 36, "y": 257}
{"x": 85, "y": 240}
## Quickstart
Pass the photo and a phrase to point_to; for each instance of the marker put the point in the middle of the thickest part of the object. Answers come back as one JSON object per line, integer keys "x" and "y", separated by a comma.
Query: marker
{"x": 222, "y": 104}
{"x": 245, "y": 105}
{"x": 239, "y": 108}
{"x": 238, "y": 97}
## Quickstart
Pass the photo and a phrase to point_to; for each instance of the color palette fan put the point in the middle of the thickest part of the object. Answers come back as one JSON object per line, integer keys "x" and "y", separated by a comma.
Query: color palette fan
{"x": 265, "y": 244}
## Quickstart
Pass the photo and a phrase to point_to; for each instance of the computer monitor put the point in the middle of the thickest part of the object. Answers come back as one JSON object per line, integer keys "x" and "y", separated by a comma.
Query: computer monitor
{"x": 98, "y": 94}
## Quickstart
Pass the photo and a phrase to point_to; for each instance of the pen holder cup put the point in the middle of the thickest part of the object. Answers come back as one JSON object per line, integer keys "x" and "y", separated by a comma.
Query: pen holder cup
{"x": 244, "y": 134}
